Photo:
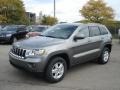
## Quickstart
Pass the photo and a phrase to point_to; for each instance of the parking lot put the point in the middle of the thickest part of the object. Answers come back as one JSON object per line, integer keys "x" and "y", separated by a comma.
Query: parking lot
{"x": 88, "y": 76}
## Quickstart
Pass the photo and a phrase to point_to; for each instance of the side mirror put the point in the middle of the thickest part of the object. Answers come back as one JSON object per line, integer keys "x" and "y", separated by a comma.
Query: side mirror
{"x": 77, "y": 37}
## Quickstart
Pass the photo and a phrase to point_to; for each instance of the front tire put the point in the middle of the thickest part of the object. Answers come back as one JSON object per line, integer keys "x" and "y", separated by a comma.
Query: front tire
{"x": 104, "y": 57}
{"x": 56, "y": 70}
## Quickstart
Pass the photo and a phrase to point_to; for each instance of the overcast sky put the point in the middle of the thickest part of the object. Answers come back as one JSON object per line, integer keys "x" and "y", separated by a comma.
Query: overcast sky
{"x": 66, "y": 10}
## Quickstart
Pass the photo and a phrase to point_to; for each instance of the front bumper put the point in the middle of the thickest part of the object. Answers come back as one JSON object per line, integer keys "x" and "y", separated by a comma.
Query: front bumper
{"x": 29, "y": 64}
{"x": 4, "y": 39}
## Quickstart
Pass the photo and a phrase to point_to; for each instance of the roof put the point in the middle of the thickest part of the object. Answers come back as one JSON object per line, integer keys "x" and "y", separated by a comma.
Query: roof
{"x": 78, "y": 24}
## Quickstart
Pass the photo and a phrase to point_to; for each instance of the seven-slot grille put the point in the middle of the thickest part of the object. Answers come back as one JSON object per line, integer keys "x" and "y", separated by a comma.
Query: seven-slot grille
{"x": 19, "y": 52}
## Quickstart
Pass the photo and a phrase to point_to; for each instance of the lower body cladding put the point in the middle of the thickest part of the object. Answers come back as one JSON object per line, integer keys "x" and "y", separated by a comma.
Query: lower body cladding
{"x": 29, "y": 64}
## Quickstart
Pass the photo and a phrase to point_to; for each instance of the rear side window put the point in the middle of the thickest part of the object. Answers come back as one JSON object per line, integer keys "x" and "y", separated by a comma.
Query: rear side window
{"x": 94, "y": 31}
{"x": 103, "y": 30}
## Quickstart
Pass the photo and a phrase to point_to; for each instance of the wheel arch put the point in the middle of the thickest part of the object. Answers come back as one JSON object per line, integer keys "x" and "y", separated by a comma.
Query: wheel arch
{"x": 64, "y": 55}
{"x": 109, "y": 46}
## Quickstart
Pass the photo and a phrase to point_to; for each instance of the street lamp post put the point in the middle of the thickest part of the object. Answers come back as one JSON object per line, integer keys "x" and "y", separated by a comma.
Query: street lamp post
{"x": 54, "y": 8}
{"x": 5, "y": 11}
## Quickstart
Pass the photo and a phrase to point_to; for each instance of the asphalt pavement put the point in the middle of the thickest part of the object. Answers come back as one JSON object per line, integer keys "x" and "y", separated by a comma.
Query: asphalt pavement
{"x": 88, "y": 76}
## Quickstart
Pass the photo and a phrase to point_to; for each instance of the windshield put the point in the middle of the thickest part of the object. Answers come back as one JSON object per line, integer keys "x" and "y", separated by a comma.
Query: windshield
{"x": 9, "y": 28}
{"x": 60, "y": 31}
{"x": 38, "y": 29}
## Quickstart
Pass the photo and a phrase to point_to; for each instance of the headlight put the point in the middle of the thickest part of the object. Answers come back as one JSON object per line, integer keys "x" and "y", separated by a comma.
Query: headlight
{"x": 35, "y": 52}
{"x": 1, "y": 35}
{"x": 8, "y": 35}
{"x": 27, "y": 36}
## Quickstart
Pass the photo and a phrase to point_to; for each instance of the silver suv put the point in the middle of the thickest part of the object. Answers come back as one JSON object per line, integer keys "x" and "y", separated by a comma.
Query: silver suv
{"x": 60, "y": 47}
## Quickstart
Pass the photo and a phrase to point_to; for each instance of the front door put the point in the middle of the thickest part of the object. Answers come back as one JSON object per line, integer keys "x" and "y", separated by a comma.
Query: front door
{"x": 81, "y": 47}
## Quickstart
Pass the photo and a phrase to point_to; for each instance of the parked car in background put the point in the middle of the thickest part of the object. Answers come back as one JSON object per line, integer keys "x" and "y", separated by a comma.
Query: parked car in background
{"x": 12, "y": 33}
{"x": 60, "y": 47}
{"x": 0, "y": 27}
{"x": 35, "y": 30}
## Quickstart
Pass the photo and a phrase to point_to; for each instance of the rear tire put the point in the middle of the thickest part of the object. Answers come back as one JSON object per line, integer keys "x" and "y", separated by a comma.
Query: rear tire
{"x": 104, "y": 57}
{"x": 56, "y": 70}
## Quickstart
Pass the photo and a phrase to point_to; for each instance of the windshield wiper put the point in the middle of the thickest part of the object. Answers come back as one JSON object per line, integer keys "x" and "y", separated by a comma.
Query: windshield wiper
{"x": 51, "y": 36}
{"x": 40, "y": 35}
{"x": 55, "y": 37}
{"x": 47, "y": 36}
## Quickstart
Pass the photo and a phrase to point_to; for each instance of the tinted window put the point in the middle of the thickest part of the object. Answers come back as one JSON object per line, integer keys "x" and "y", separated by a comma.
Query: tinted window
{"x": 103, "y": 31}
{"x": 21, "y": 29}
{"x": 84, "y": 31}
{"x": 94, "y": 31}
{"x": 38, "y": 29}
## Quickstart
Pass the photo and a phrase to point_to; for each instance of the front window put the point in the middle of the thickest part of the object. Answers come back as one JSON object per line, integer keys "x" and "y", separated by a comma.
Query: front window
{"x": 94, "y": 31}
{"x": 84, "y": 31}
{"x": 60, "y": 31}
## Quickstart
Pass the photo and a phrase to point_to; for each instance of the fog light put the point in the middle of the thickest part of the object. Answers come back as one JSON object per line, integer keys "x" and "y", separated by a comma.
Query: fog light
{"x": 31, "y": 65}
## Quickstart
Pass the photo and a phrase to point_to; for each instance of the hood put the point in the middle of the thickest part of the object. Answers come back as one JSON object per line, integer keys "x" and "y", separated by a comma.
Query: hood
{"x": 38, "y": 42}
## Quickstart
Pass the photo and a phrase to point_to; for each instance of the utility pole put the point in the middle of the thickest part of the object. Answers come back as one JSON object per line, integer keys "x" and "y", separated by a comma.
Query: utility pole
{"x": 5, "y": 11}
{"x": 54, "y": 8}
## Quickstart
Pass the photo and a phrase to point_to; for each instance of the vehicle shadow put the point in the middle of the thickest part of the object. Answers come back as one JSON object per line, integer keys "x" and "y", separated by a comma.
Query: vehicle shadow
{"x": 38, "y": 79}
{"x": 6, "y": 44}
{"x": 24, "y": 77}
{"x": 82, "y": 66}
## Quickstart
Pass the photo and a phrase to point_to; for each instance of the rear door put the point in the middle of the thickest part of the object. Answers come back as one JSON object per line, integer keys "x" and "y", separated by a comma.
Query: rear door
{"x": 104, "y": 34}
{"x": 95, "y": 42}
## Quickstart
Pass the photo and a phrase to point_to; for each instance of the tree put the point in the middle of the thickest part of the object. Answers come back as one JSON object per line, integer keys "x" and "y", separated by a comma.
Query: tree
{"x": 97, "y": 11}
{"x": 13, "y": 11}
{"x": 3, "y": 19}
{"x": 48, "y": 20}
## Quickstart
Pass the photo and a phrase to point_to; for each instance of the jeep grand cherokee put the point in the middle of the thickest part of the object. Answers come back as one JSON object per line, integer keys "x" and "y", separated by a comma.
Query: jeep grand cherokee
{"x": 60, "y": 47}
